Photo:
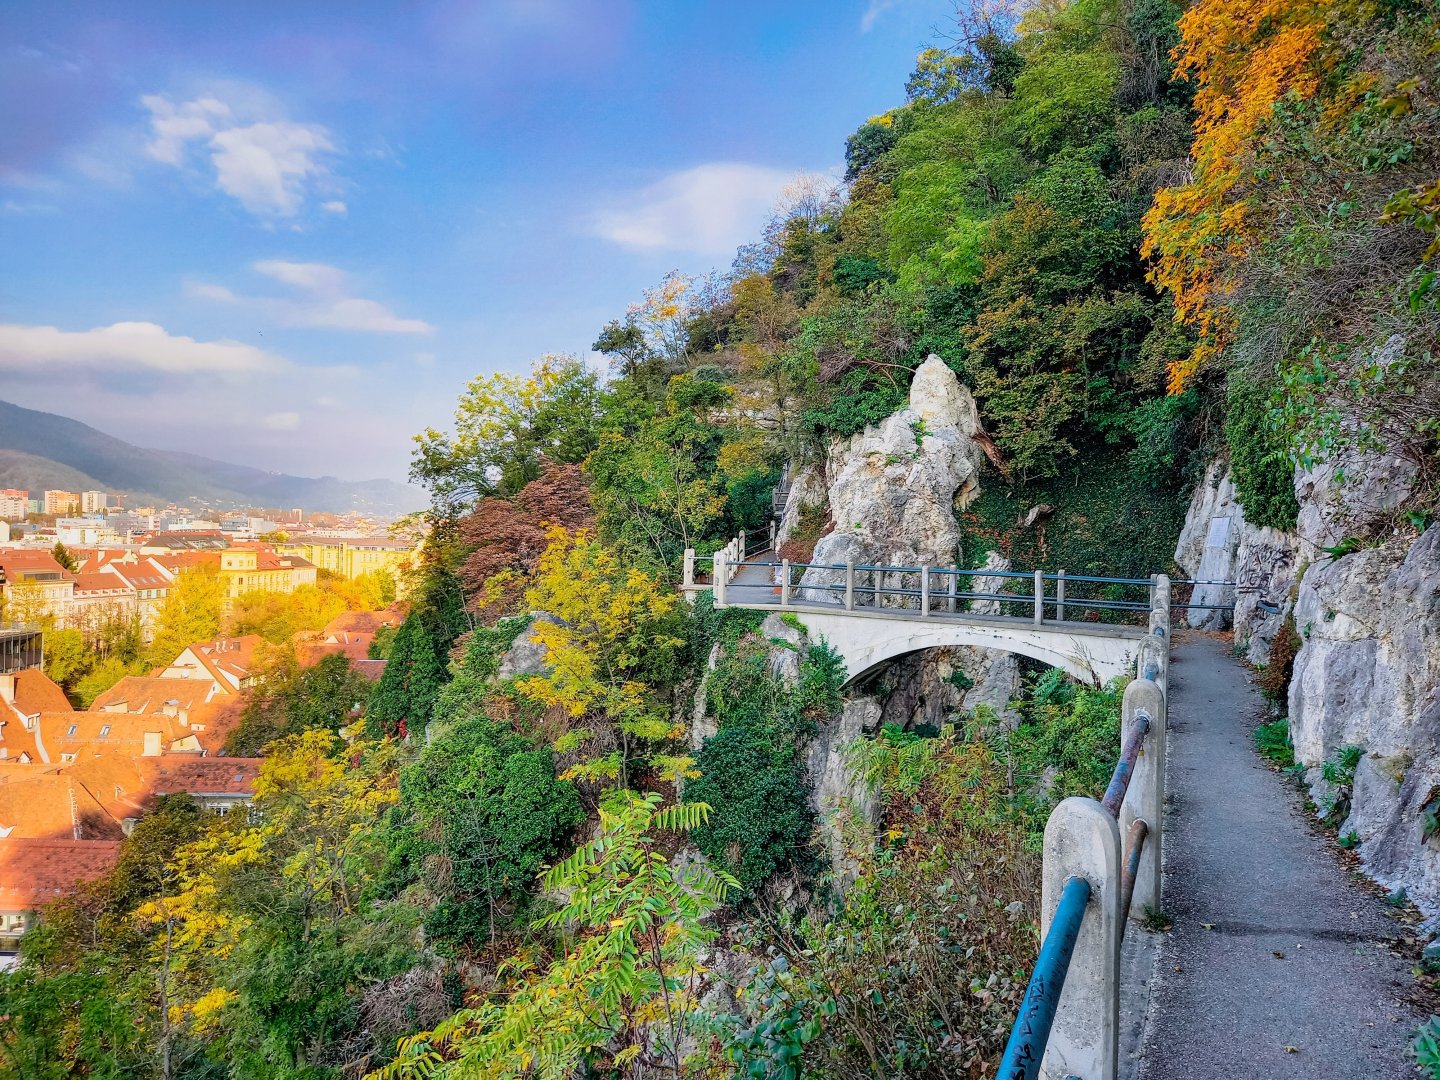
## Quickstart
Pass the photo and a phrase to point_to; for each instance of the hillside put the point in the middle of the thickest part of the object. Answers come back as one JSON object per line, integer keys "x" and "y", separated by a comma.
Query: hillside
{"x": 40, "y": 450}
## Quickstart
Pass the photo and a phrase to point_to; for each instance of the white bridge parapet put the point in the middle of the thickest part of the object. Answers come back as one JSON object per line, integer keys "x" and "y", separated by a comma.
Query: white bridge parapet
{"x": 871, "y": 614}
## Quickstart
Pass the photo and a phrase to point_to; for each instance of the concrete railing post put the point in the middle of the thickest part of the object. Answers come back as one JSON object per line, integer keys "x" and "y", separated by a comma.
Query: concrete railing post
{"x": 689, "y": 572}
{"x": 1145, "y": 798}
{"x": 924, "y": 592}
{"x": 850, "y": 585}
{"x": 740, "y": 548}
{"x": 718, "y": 578}
{"x": 1060, "y": 596}
{"x": 772, "y": 536}
{"x": 954, "y": 589}
{"x": 1039, "y": 597}
{"x": 784, "y": 582}
{"x": 1083, "y": 840}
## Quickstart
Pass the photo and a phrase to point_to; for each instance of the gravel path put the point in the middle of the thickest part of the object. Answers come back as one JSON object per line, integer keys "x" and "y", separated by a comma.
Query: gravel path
{"x": 1279, "y": 964}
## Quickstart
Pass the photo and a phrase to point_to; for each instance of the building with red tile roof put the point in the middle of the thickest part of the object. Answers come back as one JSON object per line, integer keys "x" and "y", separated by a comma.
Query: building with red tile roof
{"x": 227, "y": 662}
{"x": 35, "y": 872}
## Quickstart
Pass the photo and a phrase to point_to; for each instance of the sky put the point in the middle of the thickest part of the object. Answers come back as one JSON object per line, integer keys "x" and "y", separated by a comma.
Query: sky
{"x": 287, "y": 234}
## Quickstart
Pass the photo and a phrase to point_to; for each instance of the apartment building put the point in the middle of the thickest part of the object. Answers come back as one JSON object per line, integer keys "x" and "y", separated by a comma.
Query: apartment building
{"x": 59, "y": 502}
{"x": 351, "y": 556}
{"x": 14, "y": 504}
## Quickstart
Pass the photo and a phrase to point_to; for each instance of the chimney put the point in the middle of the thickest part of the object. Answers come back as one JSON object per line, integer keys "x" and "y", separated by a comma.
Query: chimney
{"x": 152, "y": 744}
{"x": 7, "y": 689}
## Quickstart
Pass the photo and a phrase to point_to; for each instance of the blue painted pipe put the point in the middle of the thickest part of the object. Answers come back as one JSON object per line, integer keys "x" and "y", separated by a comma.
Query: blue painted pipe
{"x": 1042, "y": 997}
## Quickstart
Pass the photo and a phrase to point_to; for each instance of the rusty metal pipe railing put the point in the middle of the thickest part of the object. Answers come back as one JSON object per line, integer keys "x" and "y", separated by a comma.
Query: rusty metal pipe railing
{"x": 1134, "y": 848}
{"x": 1125, "y": 767}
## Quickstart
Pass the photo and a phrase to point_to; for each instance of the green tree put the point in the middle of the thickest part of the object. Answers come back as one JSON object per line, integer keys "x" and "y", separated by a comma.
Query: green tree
{"x": 506, "y": 428}
{"x": 64, "y": 558}
{"x": 633, "y": 936}
{"x": 414, "y": 673}
{"x": 190, "y": 613}
{"x": 289, "y": 700}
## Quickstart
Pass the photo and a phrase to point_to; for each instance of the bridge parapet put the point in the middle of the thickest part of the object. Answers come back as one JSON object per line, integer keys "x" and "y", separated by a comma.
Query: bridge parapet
{"x": 1102, "y": 870}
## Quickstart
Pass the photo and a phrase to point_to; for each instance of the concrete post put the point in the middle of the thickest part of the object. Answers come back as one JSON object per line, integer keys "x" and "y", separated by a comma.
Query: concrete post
{"x": 924, "y": 592}
{"x": 850, "y": 585}
{"x": 954, "y": 590}
{"x": 772, "y": 535}
{"x": 689, "y": 574}
{"x": 717, "y": 578}
{"x": 1060, "y": 596}
{"x": 1145, "y": 797}
{"x": 785, "y": 583}
{"x": 740, "y": 547}
{"x": 1039, "y": 597}
{"x": 1082, "y": 840}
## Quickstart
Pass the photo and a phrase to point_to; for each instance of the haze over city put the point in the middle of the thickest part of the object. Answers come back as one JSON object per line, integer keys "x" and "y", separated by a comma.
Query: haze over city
{"x": 287, "y": 235}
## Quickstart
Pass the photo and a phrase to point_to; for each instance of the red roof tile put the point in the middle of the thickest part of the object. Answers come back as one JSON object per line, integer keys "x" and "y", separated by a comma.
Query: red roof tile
{"x": 35, "y": 872}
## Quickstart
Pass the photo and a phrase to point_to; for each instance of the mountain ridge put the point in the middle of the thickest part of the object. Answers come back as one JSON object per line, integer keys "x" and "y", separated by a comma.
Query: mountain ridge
{"x": 39, "y": 450}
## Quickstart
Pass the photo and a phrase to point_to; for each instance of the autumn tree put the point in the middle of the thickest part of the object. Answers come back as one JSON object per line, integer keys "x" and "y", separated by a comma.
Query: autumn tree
{"x": 191, "y": 612}
{"x": 616, "y": 627}
{"x": 511, "y": 534}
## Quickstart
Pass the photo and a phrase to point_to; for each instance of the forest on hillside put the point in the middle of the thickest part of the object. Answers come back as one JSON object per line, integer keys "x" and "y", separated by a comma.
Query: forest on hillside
{"x": 1143, "y": 235}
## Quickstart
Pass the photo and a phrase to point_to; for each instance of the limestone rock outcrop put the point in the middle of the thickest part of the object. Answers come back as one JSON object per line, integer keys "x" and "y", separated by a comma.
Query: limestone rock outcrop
{"x": 893, "y": 488}
{"x": 1368, "y": 675}
{"x": 1218, "y": 544}
{"x": 526, "y": 656}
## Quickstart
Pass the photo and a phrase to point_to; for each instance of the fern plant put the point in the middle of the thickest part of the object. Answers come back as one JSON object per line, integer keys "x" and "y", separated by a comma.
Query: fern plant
{"x": 633, "y": 930}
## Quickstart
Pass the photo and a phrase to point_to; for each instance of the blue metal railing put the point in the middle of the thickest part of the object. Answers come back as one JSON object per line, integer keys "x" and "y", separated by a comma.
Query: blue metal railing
{"x": 1042, "y": 997}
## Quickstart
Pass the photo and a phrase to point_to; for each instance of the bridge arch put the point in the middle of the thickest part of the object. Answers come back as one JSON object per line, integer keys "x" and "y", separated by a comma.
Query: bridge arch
{"x": 867, "y": 640}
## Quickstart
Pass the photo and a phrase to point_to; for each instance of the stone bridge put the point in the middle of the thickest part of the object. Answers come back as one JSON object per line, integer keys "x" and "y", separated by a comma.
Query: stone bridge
{"x": 872, "y": 614}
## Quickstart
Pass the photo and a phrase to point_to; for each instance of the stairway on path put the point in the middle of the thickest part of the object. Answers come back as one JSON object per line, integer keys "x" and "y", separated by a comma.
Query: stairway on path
{"x": 1279, "y": 964}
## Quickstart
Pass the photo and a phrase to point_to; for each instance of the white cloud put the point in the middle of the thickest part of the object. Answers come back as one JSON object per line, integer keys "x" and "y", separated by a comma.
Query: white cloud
{"x": 127, "y": 347}
{"x": 708, "y": 210}
{"x": 335, "y": 206}
{"x": 873, "y": 11}
{"x": 281, "y": 421}
{"x": 265, "y": 162}
{"x": 324, "y": 300}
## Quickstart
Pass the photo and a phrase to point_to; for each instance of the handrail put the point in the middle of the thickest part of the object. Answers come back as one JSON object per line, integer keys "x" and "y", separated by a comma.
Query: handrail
{"x": 1069, "y": 1019}
{"x": 1031, "y": 1032}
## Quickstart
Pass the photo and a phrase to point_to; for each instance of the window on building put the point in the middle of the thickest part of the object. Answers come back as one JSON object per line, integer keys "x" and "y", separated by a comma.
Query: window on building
{"x": 67, "y": 758}
{"x": 105, "y": 731}
{"x": 70, "y": 734}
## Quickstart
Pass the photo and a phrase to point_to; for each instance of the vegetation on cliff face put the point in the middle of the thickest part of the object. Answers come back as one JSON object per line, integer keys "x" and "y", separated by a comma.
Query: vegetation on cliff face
{"x": 1138, "y": 236}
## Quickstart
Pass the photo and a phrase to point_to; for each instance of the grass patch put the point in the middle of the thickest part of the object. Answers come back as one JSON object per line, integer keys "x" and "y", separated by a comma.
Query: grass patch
{"x": 1272, "y": 740}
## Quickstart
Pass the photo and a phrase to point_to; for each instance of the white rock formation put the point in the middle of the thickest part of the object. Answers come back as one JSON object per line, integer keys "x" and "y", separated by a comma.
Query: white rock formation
{"x": 893, "y": 488}
{"x": 1368, "y": 670}
{"x": 1218, "y": 544}
{"x": 1368, "y": 675}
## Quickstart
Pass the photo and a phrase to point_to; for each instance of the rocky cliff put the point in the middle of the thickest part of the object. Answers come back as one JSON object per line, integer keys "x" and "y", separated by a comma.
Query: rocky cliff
{"x": 1361, "y": 586}
{"x": 892, "y": 489}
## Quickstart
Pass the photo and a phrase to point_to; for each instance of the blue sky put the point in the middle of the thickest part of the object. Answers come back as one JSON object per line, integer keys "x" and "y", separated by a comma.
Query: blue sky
{"x": 287, "y": 234}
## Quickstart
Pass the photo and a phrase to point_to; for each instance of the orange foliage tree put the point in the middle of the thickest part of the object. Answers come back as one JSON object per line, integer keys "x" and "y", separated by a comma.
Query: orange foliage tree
{"x": 1244, "y": 58}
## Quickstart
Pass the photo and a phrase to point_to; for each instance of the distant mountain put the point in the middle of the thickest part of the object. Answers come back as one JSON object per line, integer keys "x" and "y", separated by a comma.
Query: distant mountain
{"x": 40, "y": 450}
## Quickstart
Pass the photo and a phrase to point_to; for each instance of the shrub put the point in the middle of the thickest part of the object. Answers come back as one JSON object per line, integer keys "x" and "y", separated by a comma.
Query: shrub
{"x": 759, "y": 815}
{"x": 1274, "y": 678}
{"x": 1264, "y": 476}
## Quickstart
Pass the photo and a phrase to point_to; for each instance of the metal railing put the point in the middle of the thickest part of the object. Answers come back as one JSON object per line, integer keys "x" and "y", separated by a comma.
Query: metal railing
{"x": 930, "y": 590}
{"x": 1093, "y": 884}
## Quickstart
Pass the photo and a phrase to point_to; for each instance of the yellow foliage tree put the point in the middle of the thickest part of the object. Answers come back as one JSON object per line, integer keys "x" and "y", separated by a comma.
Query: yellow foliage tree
{"x": 613, "y": 620}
